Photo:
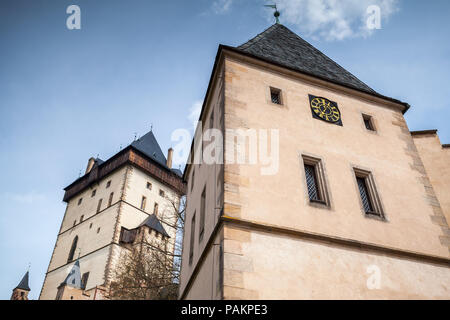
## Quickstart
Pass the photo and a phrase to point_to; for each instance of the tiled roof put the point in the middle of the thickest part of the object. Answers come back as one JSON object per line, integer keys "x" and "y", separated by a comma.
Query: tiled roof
{"x": 24, "y": 283}
{"x": 153, "y": 223}
{"x": 282, "y": 46}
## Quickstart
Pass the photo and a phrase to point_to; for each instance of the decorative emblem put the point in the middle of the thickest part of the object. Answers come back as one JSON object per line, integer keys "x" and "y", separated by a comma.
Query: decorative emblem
{"x": 325, "y": 110}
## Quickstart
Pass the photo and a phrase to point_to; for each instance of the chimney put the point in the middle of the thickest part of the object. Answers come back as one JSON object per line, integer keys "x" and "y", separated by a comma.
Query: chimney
{"x": 91, "y": 163}
{"x": 169, "y": 158}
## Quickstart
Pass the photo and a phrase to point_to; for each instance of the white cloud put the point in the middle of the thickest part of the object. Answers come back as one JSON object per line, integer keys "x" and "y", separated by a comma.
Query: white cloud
{"x": 221, "y": 6}
{"x": 30, "y": 197}
{"x": 194, "y": 113}
{"x": 332, "y": 19}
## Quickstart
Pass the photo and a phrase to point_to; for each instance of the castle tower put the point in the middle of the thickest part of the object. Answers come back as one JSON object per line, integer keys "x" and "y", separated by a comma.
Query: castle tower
{"x": 112, "y": 196}
{"x": 337, "y": 205}
{"x": 21, "y": 291}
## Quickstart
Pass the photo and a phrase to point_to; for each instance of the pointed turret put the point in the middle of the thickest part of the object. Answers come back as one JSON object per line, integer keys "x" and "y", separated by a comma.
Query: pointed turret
{"x": 21, "y": 291}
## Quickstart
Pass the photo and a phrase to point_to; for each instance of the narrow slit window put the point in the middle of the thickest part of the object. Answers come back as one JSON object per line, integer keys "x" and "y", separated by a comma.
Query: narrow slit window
{"x": 143, "y": 202}
{"x": 111, "y": 195}
{"x": 155, "y": 209}
{"x": 108, "y": 184}
{"x": 99, "y": 206}
{"x": 191, "y": 243}
{"x": 93, "y": 192}
{"x": 275, "y": 96}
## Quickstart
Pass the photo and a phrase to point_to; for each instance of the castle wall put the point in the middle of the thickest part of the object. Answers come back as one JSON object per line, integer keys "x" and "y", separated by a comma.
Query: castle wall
{"x": 273, "y": 266}
{"x": 436, "y": 160}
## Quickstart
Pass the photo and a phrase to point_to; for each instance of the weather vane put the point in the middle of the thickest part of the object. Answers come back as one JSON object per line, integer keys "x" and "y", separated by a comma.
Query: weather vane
{"x": 276, "y": 13}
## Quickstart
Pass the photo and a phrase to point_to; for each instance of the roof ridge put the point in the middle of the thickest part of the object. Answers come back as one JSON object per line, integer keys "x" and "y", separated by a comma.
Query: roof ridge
{"x": 258, "y": 37}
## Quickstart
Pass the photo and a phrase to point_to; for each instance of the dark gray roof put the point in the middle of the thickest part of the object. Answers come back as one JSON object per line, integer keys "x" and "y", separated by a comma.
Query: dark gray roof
{"x": 177, "y": 172}
{"x": 153, "y": 223}
{"x": 24, "y": 283}
{"x": 73, "y": 279}
{"x": 282, "y": 46}
{"x": 148, "y": 145}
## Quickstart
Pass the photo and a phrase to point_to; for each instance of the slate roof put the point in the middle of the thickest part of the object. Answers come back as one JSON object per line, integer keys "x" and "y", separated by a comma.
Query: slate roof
{"x": 73, "y": 279}
{"x": 148, "y": 145}
{"x": 153, "y": 223}
{"x": 282, "y": 46}
{"x": 24, "y": 283}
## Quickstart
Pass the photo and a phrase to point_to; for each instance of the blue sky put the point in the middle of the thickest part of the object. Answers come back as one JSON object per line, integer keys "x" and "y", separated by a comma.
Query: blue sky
{"x": 66, "y": 95}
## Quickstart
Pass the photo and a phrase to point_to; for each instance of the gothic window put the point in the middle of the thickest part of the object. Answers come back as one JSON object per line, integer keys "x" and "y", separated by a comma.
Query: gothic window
{"x": 72, "y": 249}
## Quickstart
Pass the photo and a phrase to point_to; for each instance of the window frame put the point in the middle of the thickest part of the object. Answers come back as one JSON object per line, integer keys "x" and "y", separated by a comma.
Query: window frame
{"x": 372, "y": 194}
{"x": 320, "y": 179}
{"x": 279, "y": 92}
{"x": 191, "y": 240}
{"x": 371, "y": 121}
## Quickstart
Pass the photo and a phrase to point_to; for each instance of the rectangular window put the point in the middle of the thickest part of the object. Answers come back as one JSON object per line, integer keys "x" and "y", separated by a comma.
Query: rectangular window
{"x": 143, "y": 202}
{"x": 315, "y": 180}
{"x": 191, "y": 244}
{"x": 149, "y": 186}
{"x": 155, "y": 209}
{"x": 202, "y": 214}
{"x": 368, "y": 122}
{"x": 192, "y": 179}
{"x": 161, "y": 193}
{"x": 84, "y": 280}
{"x": 93, "y": 192}
{"x": 275, "y": 96}
{"x": 81, "y": 218}
{"x": 111, "y": 195}
{"x": 370, "y": 199}
{"x": 99, "y": 206}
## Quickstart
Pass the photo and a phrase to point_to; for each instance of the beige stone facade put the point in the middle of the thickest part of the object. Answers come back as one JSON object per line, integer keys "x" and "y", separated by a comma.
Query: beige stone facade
{"x": 264, "y": 239}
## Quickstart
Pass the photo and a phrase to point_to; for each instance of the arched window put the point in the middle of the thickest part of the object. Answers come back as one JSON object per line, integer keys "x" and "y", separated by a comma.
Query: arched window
{"x": 72, "y": 249}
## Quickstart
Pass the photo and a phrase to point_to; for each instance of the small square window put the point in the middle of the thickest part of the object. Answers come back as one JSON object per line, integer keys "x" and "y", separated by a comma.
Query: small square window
{"x": 93, "y": 192}
{"x": 80, "y": 200}
{"x": 149, "y": 186}
{"x": 370, "y": 199}
{"x": 368, "y": 122}
{"x": 315, "y": 181}
{"x": 275, "y": 96}
{"x": 161, "y": 193}
{"x": 108, "y": 184}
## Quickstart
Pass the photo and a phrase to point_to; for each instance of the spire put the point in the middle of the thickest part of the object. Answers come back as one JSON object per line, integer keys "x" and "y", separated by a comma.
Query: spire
{"x": 24, "y": 283}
